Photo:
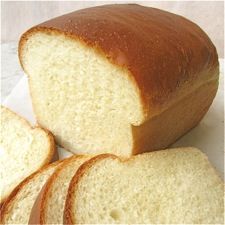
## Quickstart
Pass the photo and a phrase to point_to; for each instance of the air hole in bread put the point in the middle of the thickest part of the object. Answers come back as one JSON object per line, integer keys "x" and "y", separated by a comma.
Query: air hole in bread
{"x": 115, "y": 214}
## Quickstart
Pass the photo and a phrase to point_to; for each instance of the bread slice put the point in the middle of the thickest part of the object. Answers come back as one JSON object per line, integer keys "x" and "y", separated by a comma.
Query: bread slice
{"x": 49, "y": 206}
{"x": 17, "y": 208}
{"x": 23, "y": 150}
{"x": 111, "y": 78}
{"x": 176, "y": 186}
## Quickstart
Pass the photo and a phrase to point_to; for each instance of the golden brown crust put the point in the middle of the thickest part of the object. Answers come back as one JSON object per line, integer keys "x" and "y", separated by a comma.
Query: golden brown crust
{"x": 178, "y": 119}
{"x": 38, "y": 213}
{"x": 52, "y": 153}
{"x": 12, "y": 197}
{"x": 36, "y": 209}
{"x": 165, "y": 54}
{"x": 68, "y": 215}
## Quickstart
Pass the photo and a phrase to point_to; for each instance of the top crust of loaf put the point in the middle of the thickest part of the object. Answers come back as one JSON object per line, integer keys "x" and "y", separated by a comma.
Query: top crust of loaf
{"x": 166, "y": 55}
{"x": 50, "y": 151}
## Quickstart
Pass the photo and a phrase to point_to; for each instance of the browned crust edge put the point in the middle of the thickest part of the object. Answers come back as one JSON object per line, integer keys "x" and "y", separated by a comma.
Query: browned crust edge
{"x": 38, "y": 214}
{"x": 137, "y": 150}
{"x": 51, "y": 149}
{"x": 12, "y": 197}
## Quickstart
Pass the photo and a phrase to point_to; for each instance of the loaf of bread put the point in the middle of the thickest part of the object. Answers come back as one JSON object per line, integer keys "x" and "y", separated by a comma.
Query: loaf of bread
{"x": 18, "y": 206}
{"x": 176, "y": 186}
{"x": 23, "y": 150}
{"x": 120, "y": 79}
{"x": 49, "y": 205}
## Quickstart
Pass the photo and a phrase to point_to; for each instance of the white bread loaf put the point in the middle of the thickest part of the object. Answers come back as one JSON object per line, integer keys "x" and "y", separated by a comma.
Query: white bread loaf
{"x": 121, "y": 79}
{"x": 176, "y": 186}
{"x": 18, "y": 206}
{"x": 23, "y": 150}
{"x": 49, "y": 205}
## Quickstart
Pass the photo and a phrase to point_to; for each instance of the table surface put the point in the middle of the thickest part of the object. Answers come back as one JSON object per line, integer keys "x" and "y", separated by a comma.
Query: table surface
{"x": 11, "y": 70}
{"x": 207, "y": 136}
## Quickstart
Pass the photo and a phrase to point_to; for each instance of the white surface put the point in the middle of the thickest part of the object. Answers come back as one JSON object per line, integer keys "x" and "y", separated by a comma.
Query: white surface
{"x": 11, "y": 71}
{"x": 207, "y": 136}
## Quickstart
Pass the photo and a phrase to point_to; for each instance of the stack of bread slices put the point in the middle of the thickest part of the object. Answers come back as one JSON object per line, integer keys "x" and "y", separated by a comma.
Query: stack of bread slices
{"x": 112, "y": 84}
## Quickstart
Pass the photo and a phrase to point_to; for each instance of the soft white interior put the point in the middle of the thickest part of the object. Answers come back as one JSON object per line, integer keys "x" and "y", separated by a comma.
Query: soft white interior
{"x": 57, "y": 191}
{"x": 88, "y": 103}
{"x": 23, "y": 150}
{"x": 19, "y": 211}
{"x": 171, "y": 187}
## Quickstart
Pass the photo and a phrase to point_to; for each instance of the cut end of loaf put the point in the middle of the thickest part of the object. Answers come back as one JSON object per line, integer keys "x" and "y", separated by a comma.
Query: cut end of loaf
{"x": 87, "y": 102}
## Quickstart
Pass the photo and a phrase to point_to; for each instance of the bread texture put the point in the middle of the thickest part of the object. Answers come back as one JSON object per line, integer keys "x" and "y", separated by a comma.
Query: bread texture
{"x": 119, "y": 79}
{"x": 23, "y": 150}
{"x": 176, "y": 186}
{"x": 18, "y": 206}
{"x": 49, "y": 206}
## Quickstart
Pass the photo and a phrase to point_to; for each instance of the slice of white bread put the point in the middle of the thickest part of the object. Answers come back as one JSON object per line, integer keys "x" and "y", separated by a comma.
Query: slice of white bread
{"x": 18, "y": 206}
{"x": 111, "y": 78}
{"x": 23, "y": 150}
{"x": 49, "y": 206}
{"x": 171, "y": 186}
